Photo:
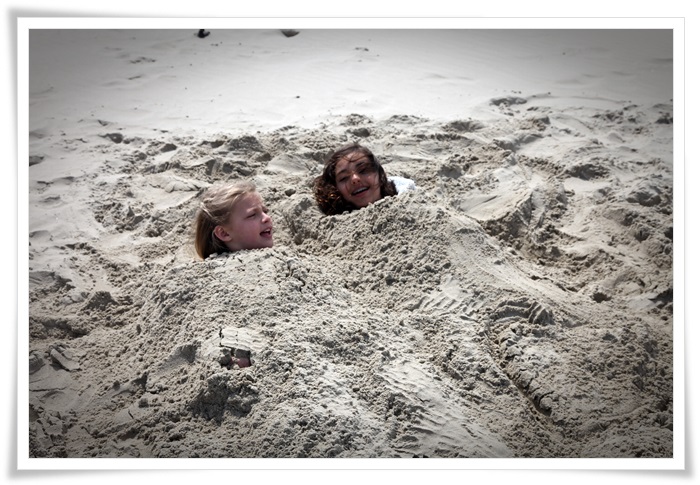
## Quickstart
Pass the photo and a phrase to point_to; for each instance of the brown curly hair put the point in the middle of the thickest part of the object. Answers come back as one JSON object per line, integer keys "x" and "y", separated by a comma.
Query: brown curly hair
{"x": 326, "y": 193}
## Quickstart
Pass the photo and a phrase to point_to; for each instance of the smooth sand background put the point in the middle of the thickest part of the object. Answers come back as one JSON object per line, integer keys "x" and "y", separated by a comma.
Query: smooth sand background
{"x": 158, "y": 87}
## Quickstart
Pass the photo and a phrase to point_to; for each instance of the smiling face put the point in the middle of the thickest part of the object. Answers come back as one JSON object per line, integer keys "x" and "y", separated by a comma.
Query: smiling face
{"x": 357, "y": 180}
{"x": 248, "y": 226}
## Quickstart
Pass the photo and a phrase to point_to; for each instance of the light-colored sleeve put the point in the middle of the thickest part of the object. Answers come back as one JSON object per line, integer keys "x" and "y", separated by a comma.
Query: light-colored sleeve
{"x": 403, "y": 184}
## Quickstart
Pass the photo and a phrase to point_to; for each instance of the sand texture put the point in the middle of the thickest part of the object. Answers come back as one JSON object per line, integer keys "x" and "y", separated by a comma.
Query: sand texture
{"x": 518, "y": 304}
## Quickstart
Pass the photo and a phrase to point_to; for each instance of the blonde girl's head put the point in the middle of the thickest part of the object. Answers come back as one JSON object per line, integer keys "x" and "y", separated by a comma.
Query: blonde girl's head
{"x": 231, "y": 217}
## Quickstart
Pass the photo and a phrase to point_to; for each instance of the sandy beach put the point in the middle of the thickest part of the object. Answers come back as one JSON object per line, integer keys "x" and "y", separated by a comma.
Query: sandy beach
{"x": 519, "y": 304}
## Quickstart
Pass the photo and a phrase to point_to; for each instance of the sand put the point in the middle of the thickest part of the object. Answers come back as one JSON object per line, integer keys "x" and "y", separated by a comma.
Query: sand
{"x": 518, "y": 304}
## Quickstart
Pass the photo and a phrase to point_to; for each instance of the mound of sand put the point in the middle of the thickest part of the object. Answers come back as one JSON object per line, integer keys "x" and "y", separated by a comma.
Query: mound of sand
{"x": 518, "y": 304}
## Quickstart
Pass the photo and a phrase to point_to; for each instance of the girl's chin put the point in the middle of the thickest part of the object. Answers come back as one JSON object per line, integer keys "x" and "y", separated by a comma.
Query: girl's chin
{"x": 364, "y": 202}
{"x": 267, "y": 242}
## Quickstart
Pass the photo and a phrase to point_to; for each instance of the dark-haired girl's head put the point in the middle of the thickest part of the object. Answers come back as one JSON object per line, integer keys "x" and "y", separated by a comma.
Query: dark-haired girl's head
{"x": 352, "y": 178}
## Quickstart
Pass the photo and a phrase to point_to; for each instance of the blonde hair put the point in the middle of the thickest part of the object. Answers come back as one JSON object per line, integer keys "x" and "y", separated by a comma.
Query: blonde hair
{"x": 214, "y": 210}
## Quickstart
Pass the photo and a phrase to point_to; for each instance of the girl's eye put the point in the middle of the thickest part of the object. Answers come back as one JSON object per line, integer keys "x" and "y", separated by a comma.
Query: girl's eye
{"x": 366, "y": 168}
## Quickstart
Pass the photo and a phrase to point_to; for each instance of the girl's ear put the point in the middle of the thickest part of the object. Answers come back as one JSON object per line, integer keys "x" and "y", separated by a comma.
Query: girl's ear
{"x": 222, "y": 234}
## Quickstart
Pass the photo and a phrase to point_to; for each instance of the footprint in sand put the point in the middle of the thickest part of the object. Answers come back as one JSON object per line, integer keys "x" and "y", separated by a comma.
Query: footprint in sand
{"x": 429, "y": 422}
{"x": 515, "y": 324}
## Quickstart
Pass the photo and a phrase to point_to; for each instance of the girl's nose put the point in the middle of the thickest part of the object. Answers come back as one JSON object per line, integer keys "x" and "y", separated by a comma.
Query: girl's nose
{"x": 354, "y": 177}
{"x": 266, "y": 217}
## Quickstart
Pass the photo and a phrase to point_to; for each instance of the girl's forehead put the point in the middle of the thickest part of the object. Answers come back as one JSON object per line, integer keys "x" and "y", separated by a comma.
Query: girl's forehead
{"x": 252, "y": 196}
{"x": 354, "y": 157}
{"x": 351, "y": 159}
{"x": 250, "y": 199}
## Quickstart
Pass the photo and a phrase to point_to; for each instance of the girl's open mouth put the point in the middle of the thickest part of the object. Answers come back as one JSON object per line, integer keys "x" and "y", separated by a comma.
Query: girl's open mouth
{"x": 266, "y": 233}
{"x": 360, "y": 190}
